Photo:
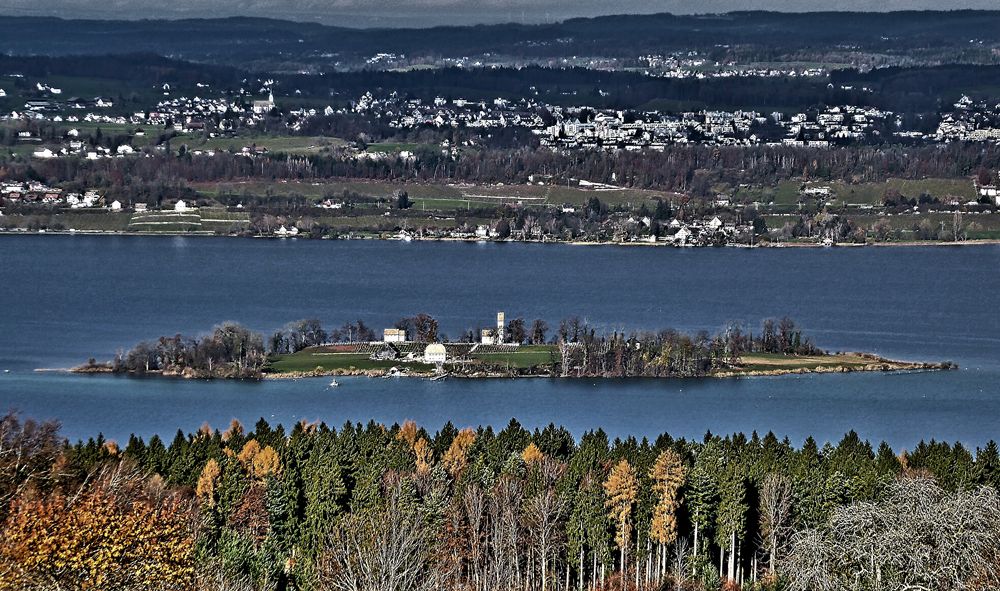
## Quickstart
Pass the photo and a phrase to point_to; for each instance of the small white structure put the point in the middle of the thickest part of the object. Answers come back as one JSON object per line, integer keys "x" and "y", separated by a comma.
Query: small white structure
{"x": 496, "y": 336}
{"x": 394, "y": 335}
{"x": 181, "y": 205}
{"x": 261, "y": 107}
{"x": 116, "y": 205}
{"x": 435, "y": 353}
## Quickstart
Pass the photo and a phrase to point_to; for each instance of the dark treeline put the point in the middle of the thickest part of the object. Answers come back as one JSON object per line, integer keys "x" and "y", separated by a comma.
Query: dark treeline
{"x": 914, "y": 90}
{"x": 376, "y": 507}
{"x": 246, "y": 41}
{"x": 583, "y": 352}
{"x": 690, "y": 169}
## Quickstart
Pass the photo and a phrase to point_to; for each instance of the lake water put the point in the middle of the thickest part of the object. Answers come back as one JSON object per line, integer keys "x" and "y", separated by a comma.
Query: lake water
{"x": 66, "y": 298}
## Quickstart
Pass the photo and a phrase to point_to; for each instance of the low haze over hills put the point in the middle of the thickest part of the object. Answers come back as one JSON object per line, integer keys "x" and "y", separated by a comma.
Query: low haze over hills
{"x": 424, "y": 13}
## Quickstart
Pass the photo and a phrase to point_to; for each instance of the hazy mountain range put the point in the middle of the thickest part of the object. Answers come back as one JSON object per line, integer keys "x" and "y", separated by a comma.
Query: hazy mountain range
{"x": 422, "y": 13}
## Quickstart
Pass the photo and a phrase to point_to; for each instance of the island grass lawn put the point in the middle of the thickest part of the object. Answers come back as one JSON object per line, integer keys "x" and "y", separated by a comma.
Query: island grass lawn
{"x": 525, "y": 356}
{"x": 779, "y": 362}
{"x": 309, "y": 360}
{"x": 540, "y": 356}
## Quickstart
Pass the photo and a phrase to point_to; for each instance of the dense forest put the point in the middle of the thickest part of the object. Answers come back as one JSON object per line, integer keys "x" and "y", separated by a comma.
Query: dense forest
{"x": 373, "y": 507}
{"x": 904, "y": 90}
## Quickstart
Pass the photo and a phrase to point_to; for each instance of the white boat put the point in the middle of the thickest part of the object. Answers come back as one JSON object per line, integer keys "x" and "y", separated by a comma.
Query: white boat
{"x": 334, "y": 383}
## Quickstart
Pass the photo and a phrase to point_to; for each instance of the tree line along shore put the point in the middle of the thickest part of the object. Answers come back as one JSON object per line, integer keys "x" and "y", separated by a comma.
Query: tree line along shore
{"x": 376, "y": 506}
{"x": 416, "y": 347}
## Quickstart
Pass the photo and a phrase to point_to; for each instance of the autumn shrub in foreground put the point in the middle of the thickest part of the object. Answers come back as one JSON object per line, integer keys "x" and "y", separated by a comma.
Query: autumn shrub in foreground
{"x": 118, "y": 531}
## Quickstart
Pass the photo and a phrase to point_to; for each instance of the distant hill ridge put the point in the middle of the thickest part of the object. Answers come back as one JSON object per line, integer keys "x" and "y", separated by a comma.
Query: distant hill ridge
{"x": 243, "y": 39}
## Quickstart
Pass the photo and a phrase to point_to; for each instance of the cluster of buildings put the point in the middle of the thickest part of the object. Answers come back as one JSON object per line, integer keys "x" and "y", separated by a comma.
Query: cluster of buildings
{"x": 591, "y": 128}
{"x": 395, "y": 346}
{"x": 691, "y": 64}
{"x": 970, "y": 121}
{"x": 39, "y": 193}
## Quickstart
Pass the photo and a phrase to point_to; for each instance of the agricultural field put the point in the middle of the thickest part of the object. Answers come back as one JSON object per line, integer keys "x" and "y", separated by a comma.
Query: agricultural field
{"x": 283, "y": 144}
{"x": 443, "y": 197}
{"x": 393, "y": 147}
{"x": 99, "y": 220}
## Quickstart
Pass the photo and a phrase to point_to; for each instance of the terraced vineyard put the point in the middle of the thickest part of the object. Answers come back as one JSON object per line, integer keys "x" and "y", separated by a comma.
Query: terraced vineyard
{"x": 205, "y": 220}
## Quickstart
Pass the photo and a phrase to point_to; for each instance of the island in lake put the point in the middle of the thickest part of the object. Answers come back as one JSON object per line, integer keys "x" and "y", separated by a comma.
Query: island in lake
{"x": 414, "y": 347}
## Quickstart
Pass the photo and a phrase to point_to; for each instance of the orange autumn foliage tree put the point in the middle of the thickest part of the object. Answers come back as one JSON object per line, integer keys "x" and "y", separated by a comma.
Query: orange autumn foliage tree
{"x": 207, "y": 482}
{"x": 668, "y": 475}
{"x": 259, "y": 462}
{"x": 457, "y": 457}
{"x": 424, "y": 456}
{"x": 112, "y": 534}
{"x": 248, "y": 453}
{"x": 532, "y": 455}
{"x": 621, "y": 487}
{"x": 266, "y": 463}
{"x": 408, "y": 433}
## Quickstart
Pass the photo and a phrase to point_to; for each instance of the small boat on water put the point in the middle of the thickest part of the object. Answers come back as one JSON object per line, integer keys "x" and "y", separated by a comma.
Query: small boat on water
{"x": 334, "y": 384}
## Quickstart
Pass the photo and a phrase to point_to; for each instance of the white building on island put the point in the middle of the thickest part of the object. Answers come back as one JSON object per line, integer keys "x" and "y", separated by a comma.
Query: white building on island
{"x": 435, "y": 353}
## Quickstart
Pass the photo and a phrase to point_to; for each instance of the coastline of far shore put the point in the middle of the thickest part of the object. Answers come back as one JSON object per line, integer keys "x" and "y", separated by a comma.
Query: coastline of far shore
{"x": 393, "y": 238}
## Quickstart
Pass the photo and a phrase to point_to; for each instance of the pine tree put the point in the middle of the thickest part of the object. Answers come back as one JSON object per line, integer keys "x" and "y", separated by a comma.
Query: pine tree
{"x": 731, "y": 519}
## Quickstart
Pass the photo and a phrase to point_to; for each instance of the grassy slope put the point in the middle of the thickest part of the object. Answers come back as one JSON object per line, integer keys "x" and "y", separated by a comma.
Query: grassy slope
{"x": 307, "y": 360}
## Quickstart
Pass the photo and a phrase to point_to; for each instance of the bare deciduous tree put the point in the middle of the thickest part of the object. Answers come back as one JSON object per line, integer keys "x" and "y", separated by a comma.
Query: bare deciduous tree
{"x": 775, "y": 515}
{"x": 917, "y": 537}
{"x": 382, "y": 550}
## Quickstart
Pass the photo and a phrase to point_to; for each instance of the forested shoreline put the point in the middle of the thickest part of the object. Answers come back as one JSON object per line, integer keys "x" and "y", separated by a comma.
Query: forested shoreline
{"x": 399, "y": 507}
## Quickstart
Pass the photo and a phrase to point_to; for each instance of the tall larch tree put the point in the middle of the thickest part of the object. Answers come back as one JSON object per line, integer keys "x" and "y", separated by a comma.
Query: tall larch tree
{"x": 621, "y": 488}
{"x": 668, "y": 475}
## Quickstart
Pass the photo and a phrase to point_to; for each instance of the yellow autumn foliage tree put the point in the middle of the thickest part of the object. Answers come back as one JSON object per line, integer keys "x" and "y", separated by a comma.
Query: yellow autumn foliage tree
{"x": 621, "y": 488}
{"x": 424, "y": 456}
{"x": 235, "y": 430}
{"x": 457, "y": 457}
{"x": 408, "y": 433}
{"x": 108, "y": 536}
{"x": 668, "y": 474}
{"x": 266, "y": 463}
{"x": 248, "y": 453}
{"x": 532, "y": 455}
{"x": 207, "y": 481}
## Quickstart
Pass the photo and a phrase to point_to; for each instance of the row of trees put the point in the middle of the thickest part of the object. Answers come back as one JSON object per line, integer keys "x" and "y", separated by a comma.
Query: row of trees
{"x": 584, "y": 352}
{"x": 693, "y": 169}
{"x": 230, "y": 351}
{"x": 376, "y": 507}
